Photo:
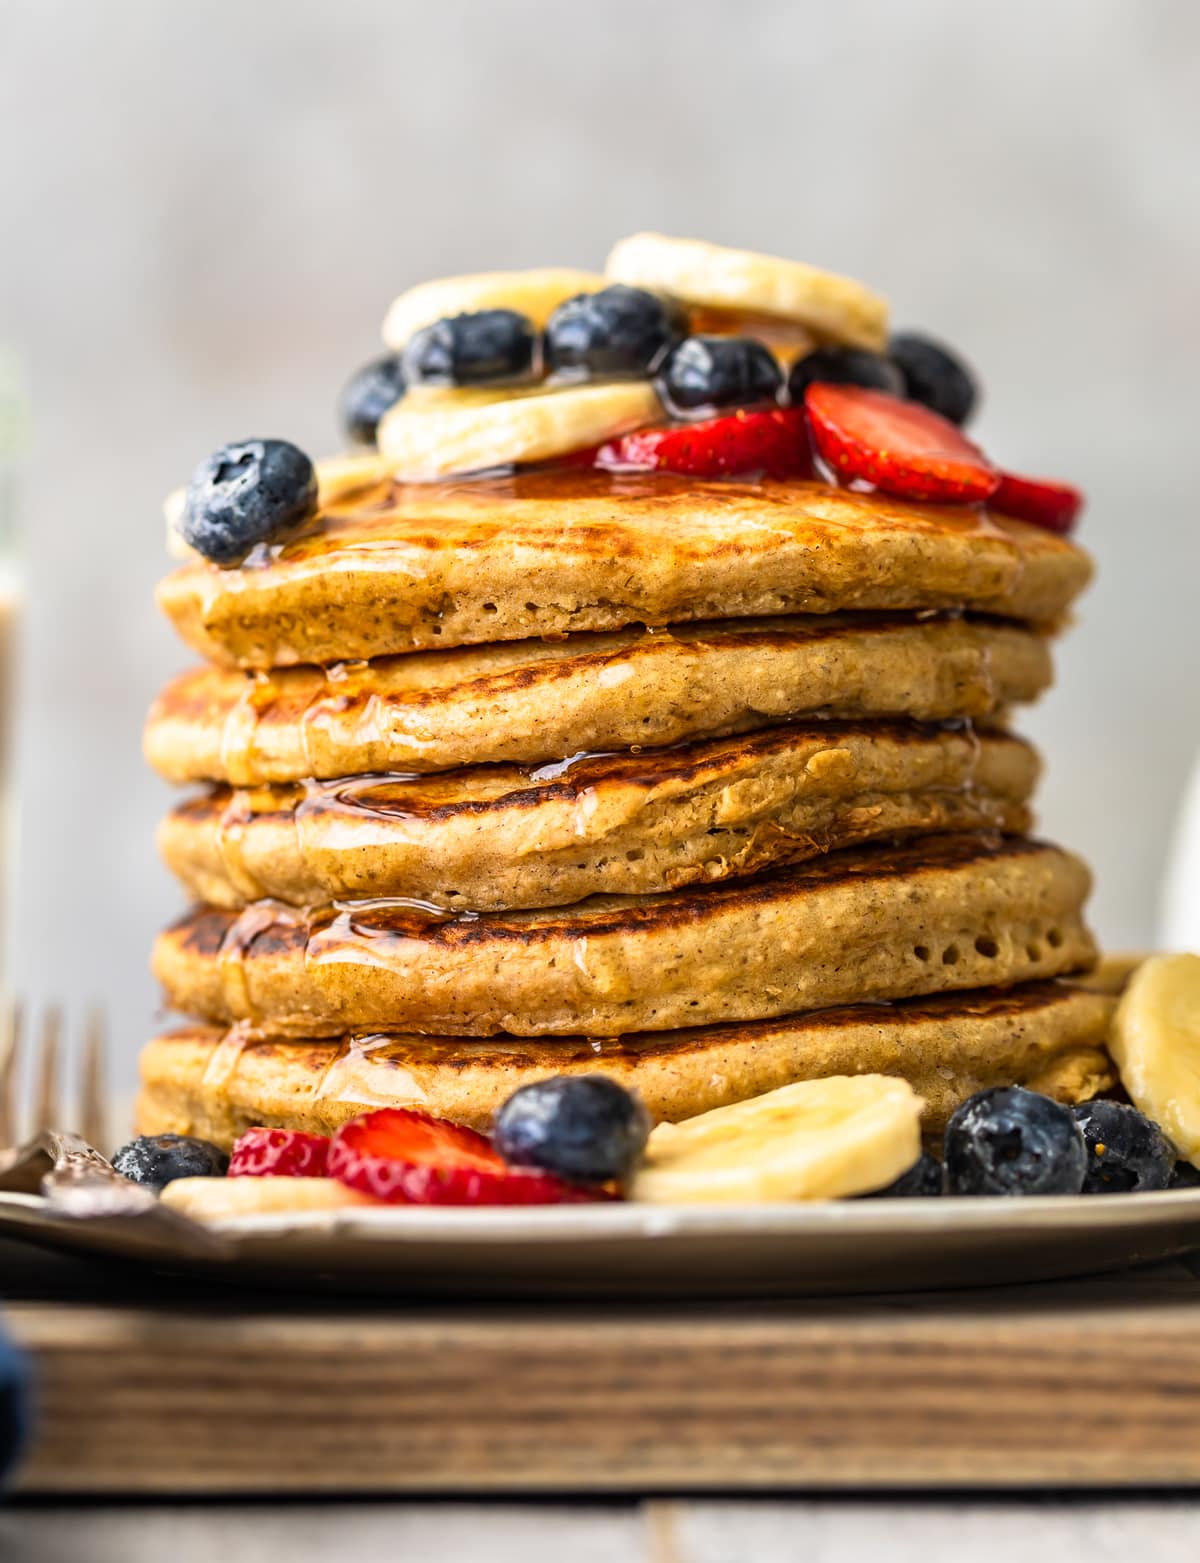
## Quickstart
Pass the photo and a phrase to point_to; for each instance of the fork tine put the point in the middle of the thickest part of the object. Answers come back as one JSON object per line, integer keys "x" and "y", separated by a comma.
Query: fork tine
{"x": 93, "y": 1118}
{"x": 46, "y": 1104}
{"x": 10, "y": 1042}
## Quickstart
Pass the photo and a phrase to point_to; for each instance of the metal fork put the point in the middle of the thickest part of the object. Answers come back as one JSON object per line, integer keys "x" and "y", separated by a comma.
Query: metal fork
{"x": 39, "y": 1153}
{"x": 87, "y": 1105}
{"x": 73, "y": 1187}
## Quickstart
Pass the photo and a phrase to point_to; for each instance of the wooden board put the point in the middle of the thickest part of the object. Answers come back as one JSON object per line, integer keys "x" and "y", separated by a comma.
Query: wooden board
{"x": 1089, "y": 1384}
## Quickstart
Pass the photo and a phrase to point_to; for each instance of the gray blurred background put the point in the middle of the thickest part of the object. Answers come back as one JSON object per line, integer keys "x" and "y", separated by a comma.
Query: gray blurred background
{"x": 206, "y": 208}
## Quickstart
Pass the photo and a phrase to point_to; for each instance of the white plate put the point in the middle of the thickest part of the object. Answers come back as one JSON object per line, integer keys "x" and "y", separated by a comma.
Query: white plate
{"x": 646, "y": 1251}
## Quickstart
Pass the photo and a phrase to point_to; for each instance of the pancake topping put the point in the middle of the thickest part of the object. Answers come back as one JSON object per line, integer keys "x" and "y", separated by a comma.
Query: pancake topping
{"x": 694, "y": 359}
{"x": 404, "y": 1157}
{"x": 900, "y": 447}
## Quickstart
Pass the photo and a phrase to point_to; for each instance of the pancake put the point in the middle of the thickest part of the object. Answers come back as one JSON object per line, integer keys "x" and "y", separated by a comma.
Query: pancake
{"x": 395, "y": 569}
{"x": 533, "y": 701}
{"x": 1043, "y": 1035}
{"x": 946, "y": 913}
{"x": 492, "y": 838}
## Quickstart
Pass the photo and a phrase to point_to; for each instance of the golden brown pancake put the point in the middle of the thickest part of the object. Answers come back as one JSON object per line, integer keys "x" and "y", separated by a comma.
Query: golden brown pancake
{"x": 494, "y": 838}
{"x": 553, "y": 552}
{"x": 946, "y": 913}
{"x": 533, "y": 701}
{"x": 1043, "y": 1035}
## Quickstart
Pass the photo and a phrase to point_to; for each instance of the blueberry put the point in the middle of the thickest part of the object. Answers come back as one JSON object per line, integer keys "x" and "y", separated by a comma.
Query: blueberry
{"x": 247, "y": 493}
{"x": 14, "y": 1405}
{"x": 369, "y": 393}
{"x": 1011, "y": 1141}
{"x": 492, "y": 344}
{"x": 923, "y": 1179}
{"x": 933, "y": 375}
{"x": 844, "y": 366}
{"x": 1127, "y": 1152}
{"x": 714, "y": 372}
{"x": 618, "y": 331}
{"x": 157, "y": 1159}
{"x": 1185, "y": 1176}
{"x": 583, "y": 1128}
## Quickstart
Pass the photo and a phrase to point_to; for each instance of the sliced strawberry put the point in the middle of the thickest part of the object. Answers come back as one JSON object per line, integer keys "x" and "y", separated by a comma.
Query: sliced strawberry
{"x": 279, "y": 1153}
{"x": 773, "y": 441}
{"x": 410, "y": 1158}
{"x": 900, "y": 447}
{"x": 1041, "y": 501}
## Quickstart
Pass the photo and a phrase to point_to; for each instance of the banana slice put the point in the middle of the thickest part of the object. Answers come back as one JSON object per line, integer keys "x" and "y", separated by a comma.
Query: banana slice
{"x": 337, "y": 478}
{"x": 340, "y": 476}
{"x": 173, "y": 507}
{"x": 536, "y": 294}
{"x": 817, "y": 1139}
{"x": 1112, "y": 973}
{"x": 470, "y": 431}
{"x": 1156, "y": 1046}
{"x": 217, "y": 1199}
{"x": 787, "y": 339}
{"x": 709, "y": 277}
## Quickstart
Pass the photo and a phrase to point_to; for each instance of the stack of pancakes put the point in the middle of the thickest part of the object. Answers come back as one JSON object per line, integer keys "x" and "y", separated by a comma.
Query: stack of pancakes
{"x": 705, "y": 786}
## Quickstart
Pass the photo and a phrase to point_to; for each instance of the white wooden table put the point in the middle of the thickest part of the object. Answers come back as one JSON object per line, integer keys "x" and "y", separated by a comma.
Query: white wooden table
{"x": 909, "y": 1530}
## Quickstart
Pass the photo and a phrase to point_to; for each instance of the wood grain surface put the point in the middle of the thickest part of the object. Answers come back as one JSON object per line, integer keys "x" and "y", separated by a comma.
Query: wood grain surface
{"x": 1082, "y": 1384}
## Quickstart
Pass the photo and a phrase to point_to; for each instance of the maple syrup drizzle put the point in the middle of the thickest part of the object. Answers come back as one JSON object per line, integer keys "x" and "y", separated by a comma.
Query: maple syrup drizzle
{"x": 224, "y": 1060}
{"x": 359, "y": 1074}
{"x": 233, "y": 824}
{"x": 250, "y": 924}
{"x": 239, "y": 731}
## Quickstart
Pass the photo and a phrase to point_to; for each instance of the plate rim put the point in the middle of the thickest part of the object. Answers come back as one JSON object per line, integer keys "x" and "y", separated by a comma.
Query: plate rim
{"x": 630, "y": 1221}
